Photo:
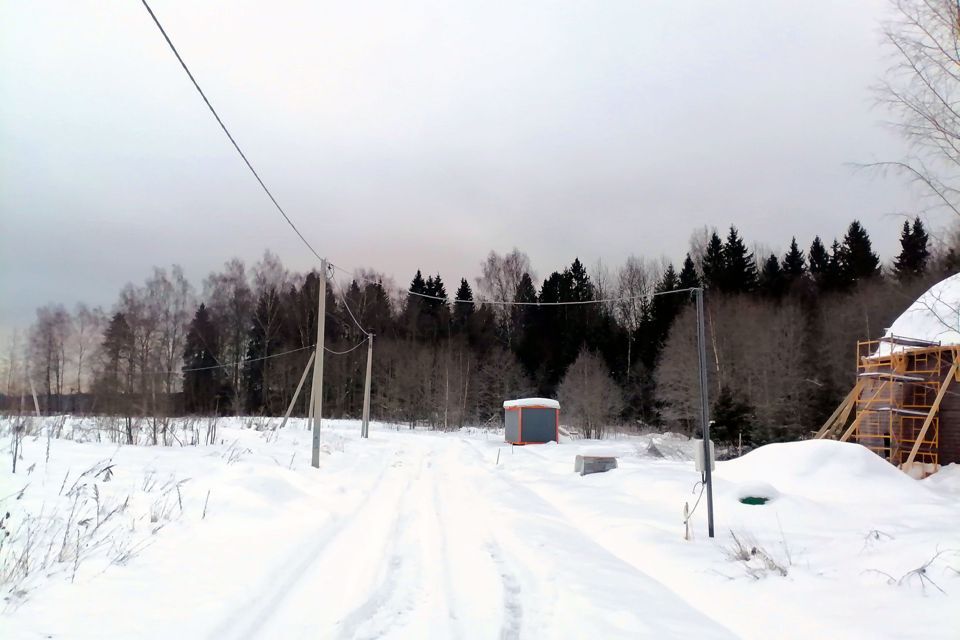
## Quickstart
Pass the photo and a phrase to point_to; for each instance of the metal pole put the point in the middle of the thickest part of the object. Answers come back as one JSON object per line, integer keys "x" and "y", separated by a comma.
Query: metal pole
{"x": 365, "y": 429}
{"x": 318, "y": 366}
{"x": 704, "y": 409}
{"x": 296, "y": 394}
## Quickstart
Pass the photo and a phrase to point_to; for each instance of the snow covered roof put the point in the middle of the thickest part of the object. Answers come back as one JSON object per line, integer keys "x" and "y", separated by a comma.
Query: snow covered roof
{"x": 934, "y": 317}
{"x": 532, "y": 402}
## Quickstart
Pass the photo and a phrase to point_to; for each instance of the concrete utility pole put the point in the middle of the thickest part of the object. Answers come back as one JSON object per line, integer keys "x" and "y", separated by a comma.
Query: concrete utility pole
{"x": 296, "y": 394}
{"x": 704, "y": 408}
{"x": 318, "y": 366}
{"x": 365, "y": 429}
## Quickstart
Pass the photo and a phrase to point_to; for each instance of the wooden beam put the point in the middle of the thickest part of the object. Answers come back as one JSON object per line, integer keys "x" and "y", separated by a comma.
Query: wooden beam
{"x": 933, "y": 412}
{"x": 847, "y": 401}
{"x": 856, "y": 421}
{"x": 842, "y": 420}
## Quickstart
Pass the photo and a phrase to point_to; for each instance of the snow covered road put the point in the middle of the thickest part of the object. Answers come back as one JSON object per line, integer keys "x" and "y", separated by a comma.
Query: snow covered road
{"x": 416, "y": 534}
{"x": 442, "y": 546}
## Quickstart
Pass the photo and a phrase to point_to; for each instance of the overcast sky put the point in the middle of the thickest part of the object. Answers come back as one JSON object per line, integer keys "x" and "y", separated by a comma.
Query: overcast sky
{"x": 417, "y": 134}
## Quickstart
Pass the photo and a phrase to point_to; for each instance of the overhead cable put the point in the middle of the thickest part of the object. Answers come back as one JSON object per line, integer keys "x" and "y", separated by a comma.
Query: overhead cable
{"x": 227, "y": 131}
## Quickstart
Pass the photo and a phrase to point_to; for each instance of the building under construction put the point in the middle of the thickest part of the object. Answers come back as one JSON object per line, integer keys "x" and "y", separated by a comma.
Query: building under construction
{"x": 905, "y": 404}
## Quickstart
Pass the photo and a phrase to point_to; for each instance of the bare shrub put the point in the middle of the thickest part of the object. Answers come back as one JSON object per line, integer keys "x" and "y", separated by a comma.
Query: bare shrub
{"x": 756, "y": 560}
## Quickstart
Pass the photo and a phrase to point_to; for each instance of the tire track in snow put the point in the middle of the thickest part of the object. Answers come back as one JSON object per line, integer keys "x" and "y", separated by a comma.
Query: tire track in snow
{"x": 512, "y": 607}
{"x": 584, "y": 576}
{"x": 393, "y": 599}
{"x": 250, "y": 618}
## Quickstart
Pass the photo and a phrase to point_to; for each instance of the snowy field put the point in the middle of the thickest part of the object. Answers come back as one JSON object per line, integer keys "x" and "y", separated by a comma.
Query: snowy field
{"x": 416, "y": 534}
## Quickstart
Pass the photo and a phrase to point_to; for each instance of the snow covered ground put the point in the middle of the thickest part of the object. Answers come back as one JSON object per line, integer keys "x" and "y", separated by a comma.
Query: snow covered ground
{"x": 416, "y": 534}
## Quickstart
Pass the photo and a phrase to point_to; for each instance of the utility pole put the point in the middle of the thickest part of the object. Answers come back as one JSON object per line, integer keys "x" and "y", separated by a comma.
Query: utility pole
{"x": 365, "y": 429}
{"x": 296, "y": 394}
{"x": 704, "y": 409}
{"x": 317, "y": 386}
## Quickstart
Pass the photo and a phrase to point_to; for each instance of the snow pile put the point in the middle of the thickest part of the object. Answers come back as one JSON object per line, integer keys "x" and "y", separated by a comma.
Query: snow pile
{"x": 934, "y": 317}
{"x": 823, "y": 468}
{"x": 946, "y": 480}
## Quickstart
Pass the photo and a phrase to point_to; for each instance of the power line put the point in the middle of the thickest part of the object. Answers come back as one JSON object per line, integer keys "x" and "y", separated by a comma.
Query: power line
{"x": 341, "y": 353}
{"x": 227, "y": 131}
{"x": 343, "y": 299}
{"x": 314, "y": 251}
{"x": 230, "y": 364}
{"x": 516, "y": 303}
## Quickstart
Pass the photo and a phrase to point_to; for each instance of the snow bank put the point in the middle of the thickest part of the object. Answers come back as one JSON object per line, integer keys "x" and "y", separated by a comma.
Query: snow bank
{"x": 531, "y": 402}
{"x": 934, "y": 317}
{"x": 842, "y": 470}
{"x": 946, "y": 480}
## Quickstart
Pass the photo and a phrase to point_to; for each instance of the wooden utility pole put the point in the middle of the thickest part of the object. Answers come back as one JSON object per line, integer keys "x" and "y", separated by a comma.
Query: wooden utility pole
{"x": 365, "y": 429}
{"x": 318, "y": 366}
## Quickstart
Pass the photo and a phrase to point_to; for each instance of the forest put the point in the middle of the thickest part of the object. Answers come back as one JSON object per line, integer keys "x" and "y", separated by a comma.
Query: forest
{"x": 781, "y": 332}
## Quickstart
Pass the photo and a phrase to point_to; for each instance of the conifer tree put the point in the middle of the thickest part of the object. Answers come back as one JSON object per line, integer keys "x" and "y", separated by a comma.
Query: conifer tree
{"x": 117, "y": 348}
{"x": 839, "y": 275}
{"x": 858, "y": 262}
{"x": 463, "y": 308}
{"x": 819, "y": 262}
{"x": 202, "y": 378}
{"x": 794, "y": 262}
{"x": 739, "y": 267}
{"x": 732, "y": 418}
{"x": 415, "y": 305}
{"x": 688, "y": 278}
{"x": 713, "y": 265}
{"x": 772, "y": 282}
{"x": 914, "y": 252}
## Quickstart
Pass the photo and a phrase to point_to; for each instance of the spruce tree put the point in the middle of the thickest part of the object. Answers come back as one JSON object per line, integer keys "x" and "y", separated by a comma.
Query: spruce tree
{"x": 663, "y": 311}
{"x": 739, "y": 266}
{"x": 582, "y": 288}
{"x": 414, "y": 308}
{"x": 839, "y": 274}
{"x": 202, "y": 378}
{"x": 819, "y": 262}
{"x": 732, "y": 419}
{"x": 713, "y": 265}
{"x": 117, "y": 348}
{"x": 522, "y": 317}
{"x": 914, "y": 252}
{"x": 688, "y": 278}
{"x": 463, "y": 307}
{"x": 794, "y": 262}
{"x": 772, "y": 282}
{"x": 858, "y": 261}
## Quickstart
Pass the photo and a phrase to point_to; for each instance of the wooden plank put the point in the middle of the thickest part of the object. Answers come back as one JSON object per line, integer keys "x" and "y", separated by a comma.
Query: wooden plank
{"x": 842, "y": 420}
{"x": 856, "y": 421}
{"x": 851, "y": 397}
{"x": 933, "y": 412}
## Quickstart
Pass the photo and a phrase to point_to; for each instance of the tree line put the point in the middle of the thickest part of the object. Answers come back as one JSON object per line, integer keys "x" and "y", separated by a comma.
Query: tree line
{"x": 781, "y": 333}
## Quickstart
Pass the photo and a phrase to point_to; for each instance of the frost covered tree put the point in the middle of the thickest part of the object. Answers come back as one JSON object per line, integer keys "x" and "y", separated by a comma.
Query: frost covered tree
{"x": 920, "y": 90}
{"x": 590, "y": 398}
{"x": 231, "y": 304}
{"x": 49, "y": 336}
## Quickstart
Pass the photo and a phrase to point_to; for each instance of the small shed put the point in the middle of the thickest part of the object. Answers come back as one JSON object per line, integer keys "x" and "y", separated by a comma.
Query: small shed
{"x": 531, "y": 420}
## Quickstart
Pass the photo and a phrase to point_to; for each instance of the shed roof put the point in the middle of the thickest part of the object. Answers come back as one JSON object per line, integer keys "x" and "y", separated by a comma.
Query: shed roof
{"x": 531, "y": 402}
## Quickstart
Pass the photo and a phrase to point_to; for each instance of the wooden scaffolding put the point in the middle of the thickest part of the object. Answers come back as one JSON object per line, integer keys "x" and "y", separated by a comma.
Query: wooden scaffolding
{"x": 896, "y": 401}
